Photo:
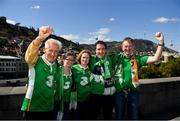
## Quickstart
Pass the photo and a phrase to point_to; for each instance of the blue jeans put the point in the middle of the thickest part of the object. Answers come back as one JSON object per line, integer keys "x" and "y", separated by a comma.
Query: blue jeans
{"x": 127, "y": 101}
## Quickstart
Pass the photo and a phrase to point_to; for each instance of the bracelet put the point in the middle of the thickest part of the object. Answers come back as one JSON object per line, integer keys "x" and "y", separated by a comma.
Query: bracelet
{"x": 160, "y": 44}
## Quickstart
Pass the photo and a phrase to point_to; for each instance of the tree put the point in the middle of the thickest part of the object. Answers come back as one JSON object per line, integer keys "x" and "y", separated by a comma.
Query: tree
{"x": 168, "y": 69}
{"x": 150, "y": 71}
{"x": 171, "y": 68}
{"x": 17, "y": 24}
{"x": 3, "y": 41}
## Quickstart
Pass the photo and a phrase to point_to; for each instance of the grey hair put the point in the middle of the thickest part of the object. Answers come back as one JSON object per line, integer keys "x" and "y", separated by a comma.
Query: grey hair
{"x": 51, "y": 40}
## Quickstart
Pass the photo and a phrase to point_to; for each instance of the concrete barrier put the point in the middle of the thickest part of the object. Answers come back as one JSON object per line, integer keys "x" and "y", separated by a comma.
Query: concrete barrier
{"x": 10, "y": 102}
{"x": 160, "y": 99}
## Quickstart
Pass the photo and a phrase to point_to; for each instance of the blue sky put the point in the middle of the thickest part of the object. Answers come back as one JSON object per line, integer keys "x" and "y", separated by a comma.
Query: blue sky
{"x": 111, "y": 20}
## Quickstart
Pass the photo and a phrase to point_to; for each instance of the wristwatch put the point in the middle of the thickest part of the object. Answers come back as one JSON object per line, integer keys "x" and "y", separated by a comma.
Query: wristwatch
{"x": 160, "y": 44}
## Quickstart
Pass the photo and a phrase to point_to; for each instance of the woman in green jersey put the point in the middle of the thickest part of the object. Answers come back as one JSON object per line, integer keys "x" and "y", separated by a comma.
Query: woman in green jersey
{"x": 82, "y": 77}
{"x": 64, "y": 86}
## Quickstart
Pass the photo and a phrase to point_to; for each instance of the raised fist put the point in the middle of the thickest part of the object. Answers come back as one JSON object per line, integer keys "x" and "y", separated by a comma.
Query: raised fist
{"x": 160, "y": 37}
{"x": 44, "y": 32}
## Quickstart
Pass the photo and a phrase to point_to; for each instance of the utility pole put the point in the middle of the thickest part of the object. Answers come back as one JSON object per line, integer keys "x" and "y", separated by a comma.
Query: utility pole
{"x": 171, "y": 44}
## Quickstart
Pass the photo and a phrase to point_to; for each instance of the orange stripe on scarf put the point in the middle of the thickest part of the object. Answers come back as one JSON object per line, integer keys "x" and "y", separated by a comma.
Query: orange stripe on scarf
{"x": 134, "y": 73}
{"x": 134, "y": 66}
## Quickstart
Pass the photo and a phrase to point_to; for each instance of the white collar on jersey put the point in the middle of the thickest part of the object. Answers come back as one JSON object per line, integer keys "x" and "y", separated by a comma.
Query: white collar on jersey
{"x": 47, "y": 62}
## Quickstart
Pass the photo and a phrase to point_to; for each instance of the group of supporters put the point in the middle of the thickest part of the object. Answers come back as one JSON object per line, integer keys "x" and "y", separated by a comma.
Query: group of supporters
{"x": 83, "y": 87}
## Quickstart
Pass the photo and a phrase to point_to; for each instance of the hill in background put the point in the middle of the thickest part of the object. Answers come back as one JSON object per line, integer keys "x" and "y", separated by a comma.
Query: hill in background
{"x": 141, "y": 46}
{"x": 14, "y": 40}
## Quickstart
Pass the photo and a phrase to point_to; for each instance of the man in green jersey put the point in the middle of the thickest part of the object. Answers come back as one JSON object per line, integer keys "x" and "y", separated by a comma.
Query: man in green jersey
{"x": 39, "y": 99}
{"x": 126, "y": 77}
{"x": 102, "y": 86}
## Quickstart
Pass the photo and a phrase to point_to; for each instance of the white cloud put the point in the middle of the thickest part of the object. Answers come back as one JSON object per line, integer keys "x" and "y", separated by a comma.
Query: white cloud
{"x": 101, "y": 31}
{"x": 112, "y": 19}
{"x": 35, "y": 7}
{"x": 70, "y": 37}
{"x": 10, "y": 21}
{"x": 101, "y": 34}
{"x": 166, "y": 20}
{"x": 92, "y": 39}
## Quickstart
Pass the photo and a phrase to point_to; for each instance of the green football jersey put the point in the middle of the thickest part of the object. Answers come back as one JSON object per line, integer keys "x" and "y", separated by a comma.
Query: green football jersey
{"x": 64, "y": 85}
{"x": 123, "y": 77}
{"x": 104, "y": 70}
{"x": 82, "y": 79}
{"x": 40, "y": 92}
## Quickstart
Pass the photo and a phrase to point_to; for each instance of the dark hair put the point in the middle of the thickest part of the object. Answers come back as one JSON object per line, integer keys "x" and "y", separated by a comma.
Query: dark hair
{"x": 64, "y": 56}
{"x": 101, "y": 42}
{"x": 78, "y": 59}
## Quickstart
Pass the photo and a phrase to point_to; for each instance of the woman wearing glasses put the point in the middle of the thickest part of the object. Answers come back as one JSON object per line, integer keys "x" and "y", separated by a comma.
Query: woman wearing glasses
{"x": 64, "y": 86}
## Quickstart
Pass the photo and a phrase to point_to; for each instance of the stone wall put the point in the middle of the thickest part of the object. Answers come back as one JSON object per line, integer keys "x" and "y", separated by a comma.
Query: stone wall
{"x": 160, "y": 99}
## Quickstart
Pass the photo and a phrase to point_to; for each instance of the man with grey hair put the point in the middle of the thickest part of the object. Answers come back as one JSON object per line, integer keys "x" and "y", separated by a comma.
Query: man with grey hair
{"x": 39, "y": 99}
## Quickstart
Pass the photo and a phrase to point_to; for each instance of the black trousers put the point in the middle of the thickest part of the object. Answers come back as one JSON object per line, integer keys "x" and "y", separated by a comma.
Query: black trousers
{"x": 83, "y": 110}
{"x": 67, "y": 114}
{"x": 39, "y": 115}
{"x": 101, "y": 106}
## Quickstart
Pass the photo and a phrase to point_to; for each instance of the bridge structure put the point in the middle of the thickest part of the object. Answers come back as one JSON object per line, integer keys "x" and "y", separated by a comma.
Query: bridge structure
{"x": 159, "y": 100}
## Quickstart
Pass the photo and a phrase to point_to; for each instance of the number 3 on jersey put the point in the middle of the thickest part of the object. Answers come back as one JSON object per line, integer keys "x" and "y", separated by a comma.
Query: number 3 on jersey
{"x": 49, "y": 81}
{"x": 84, "y": 81}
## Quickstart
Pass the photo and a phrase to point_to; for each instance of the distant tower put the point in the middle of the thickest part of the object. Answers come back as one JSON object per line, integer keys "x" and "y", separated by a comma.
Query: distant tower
{"x": 144, "y": 35}
{"x": 171, "y": 44}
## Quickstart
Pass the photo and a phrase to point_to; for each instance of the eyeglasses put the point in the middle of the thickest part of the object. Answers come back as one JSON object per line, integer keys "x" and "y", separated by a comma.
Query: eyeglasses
{"x": 69, "y": 59}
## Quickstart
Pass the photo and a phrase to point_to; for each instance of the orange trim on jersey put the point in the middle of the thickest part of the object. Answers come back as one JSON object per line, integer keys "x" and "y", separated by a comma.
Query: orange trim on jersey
{"x": 29, "y": 104}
